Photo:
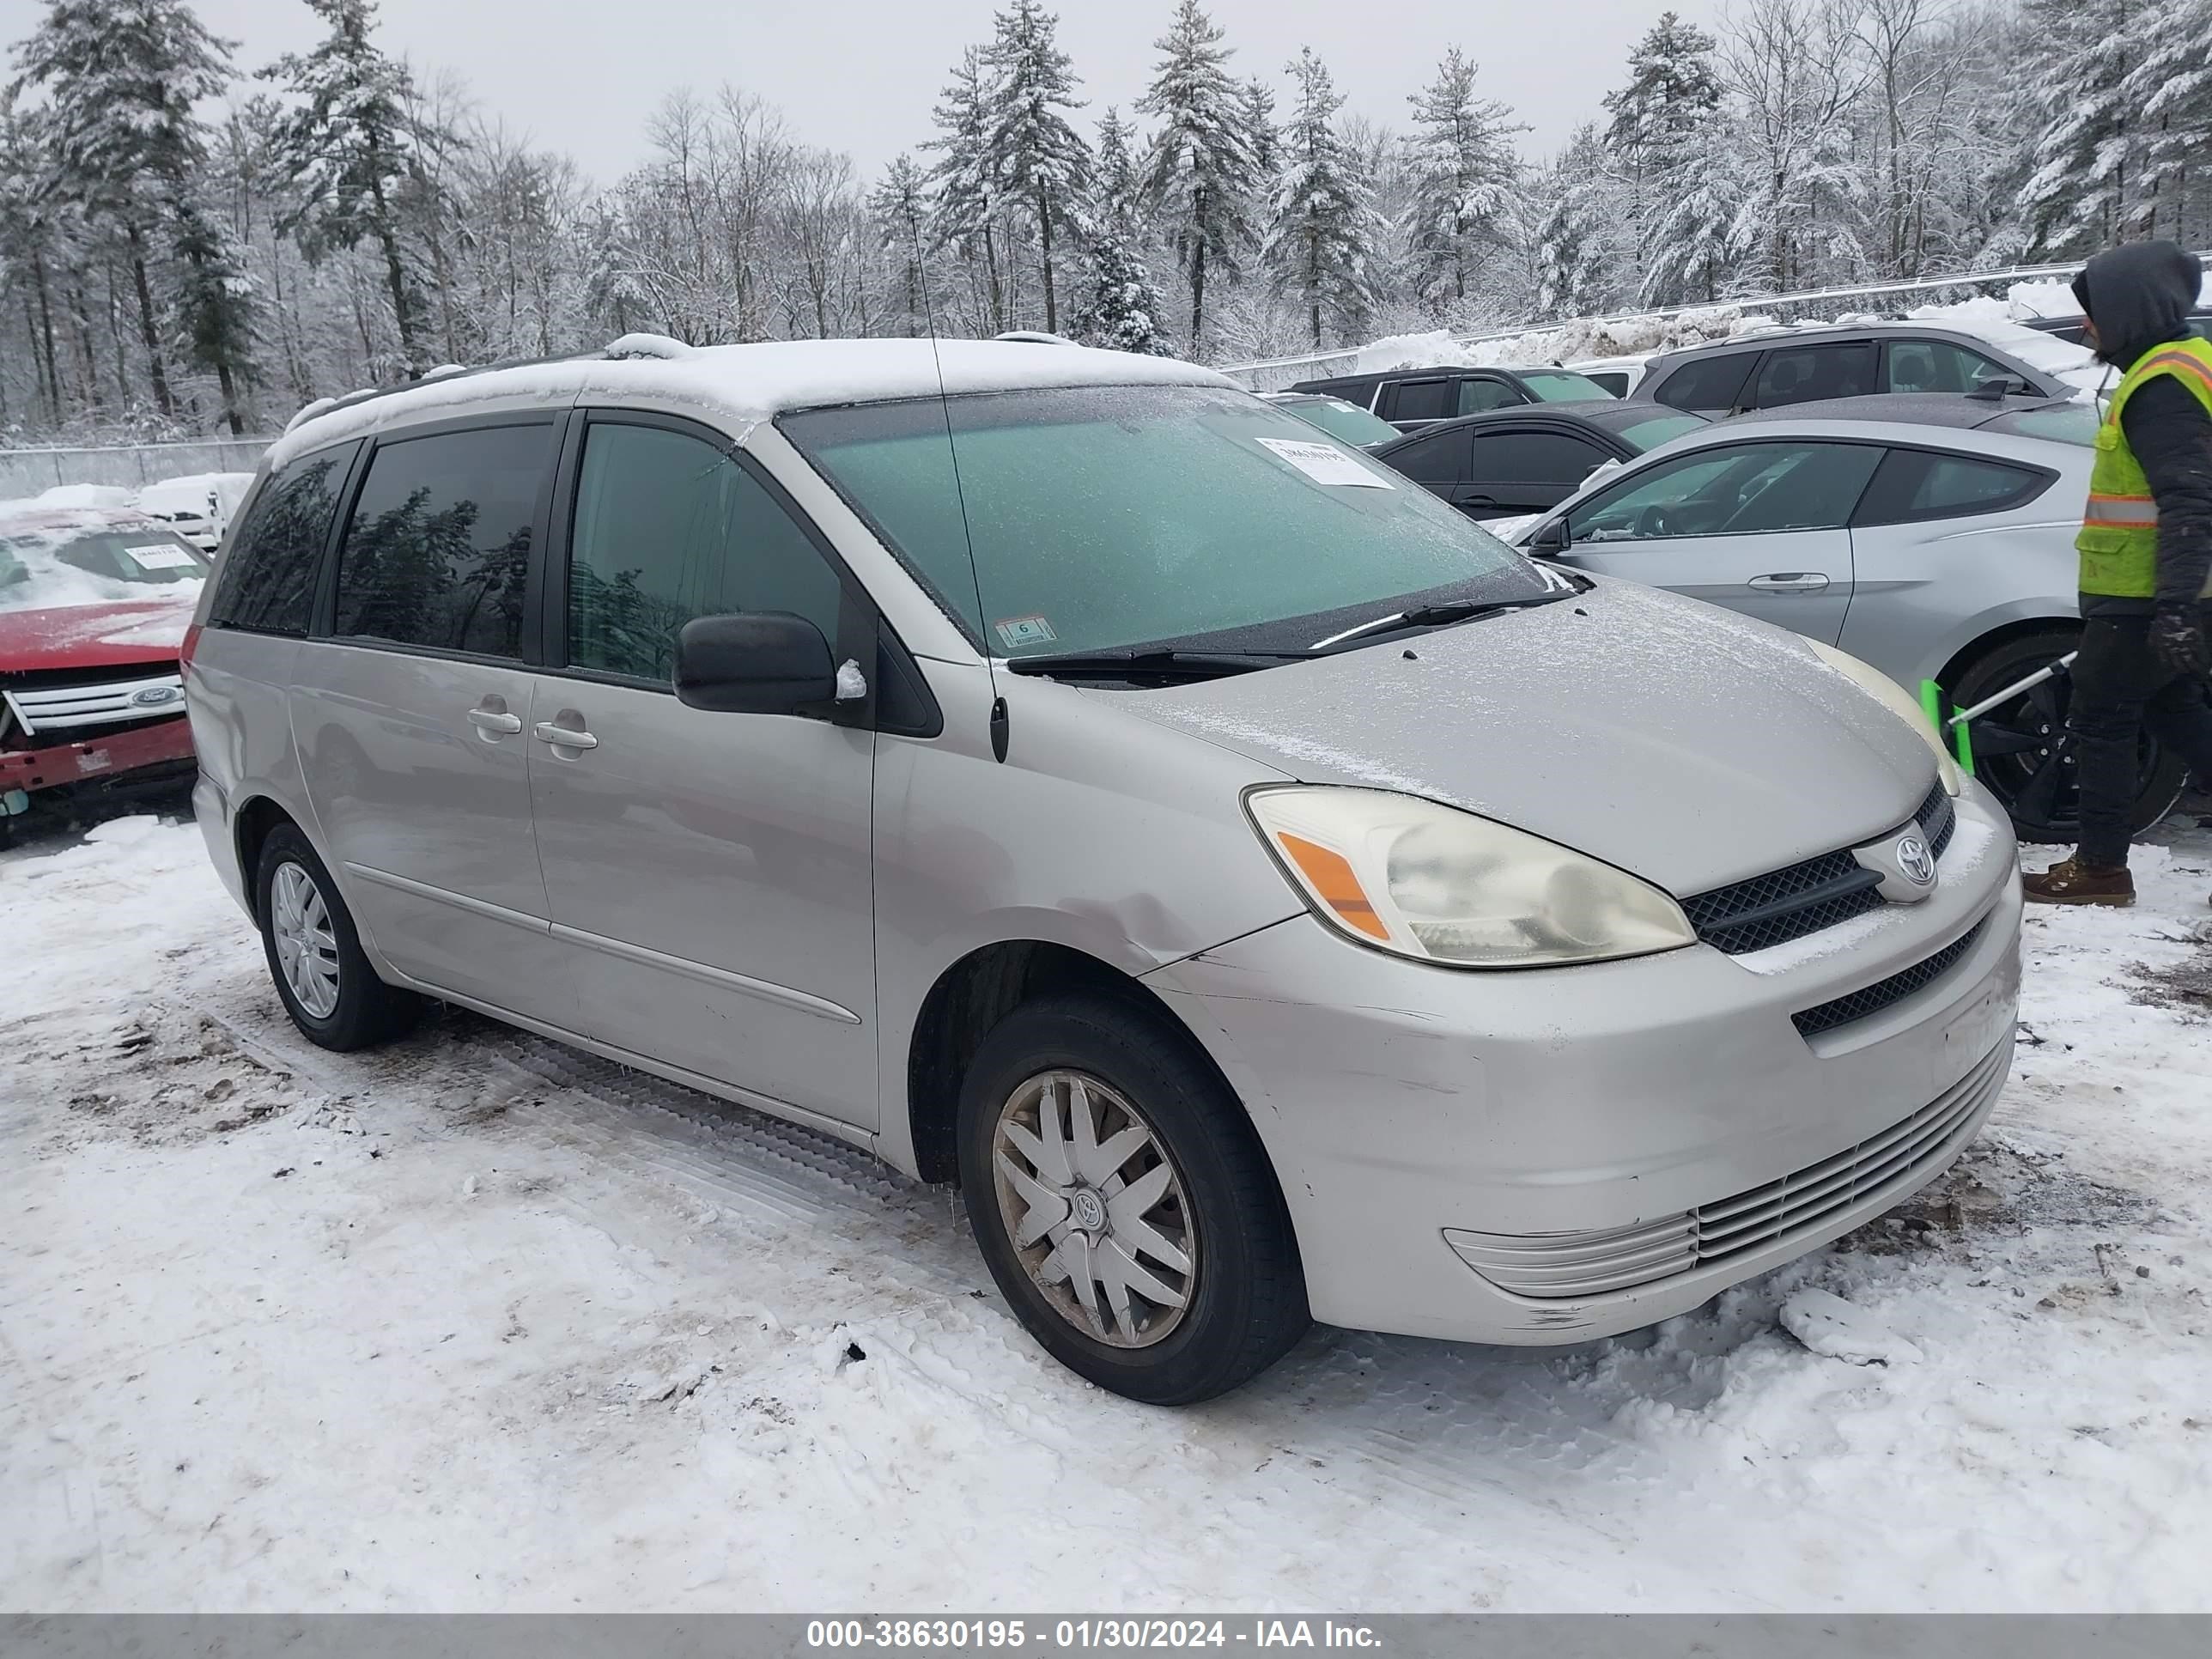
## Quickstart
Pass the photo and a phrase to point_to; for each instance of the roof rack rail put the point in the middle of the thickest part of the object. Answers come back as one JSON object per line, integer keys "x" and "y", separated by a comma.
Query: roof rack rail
{"x": 1034, "y": 337}
{"x": 444, "y": 371}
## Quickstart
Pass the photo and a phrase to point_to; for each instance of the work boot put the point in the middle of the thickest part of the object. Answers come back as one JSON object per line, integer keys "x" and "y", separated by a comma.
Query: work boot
{"x": 2072, "y": 882}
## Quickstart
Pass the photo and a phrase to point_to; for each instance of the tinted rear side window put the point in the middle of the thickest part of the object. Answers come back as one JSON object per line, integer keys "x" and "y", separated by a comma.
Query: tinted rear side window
{"x": 1440, "y": 460}
{"x": 1534, "y": 457}
{"x": 1811, "y": 373}
{"x": 1916, "y": 483}
{"x": 267, "y": 580}
{"x": 438, "y": 550}
{"x": 1422, "y": 400}
{"x": 1713, "y": 383}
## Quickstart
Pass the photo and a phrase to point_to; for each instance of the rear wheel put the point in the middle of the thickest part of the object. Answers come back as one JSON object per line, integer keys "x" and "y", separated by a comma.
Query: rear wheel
{"x": 314, "y": 952}
{"x": 1124, "y": 1205}
{"x": 2025, "y": 754}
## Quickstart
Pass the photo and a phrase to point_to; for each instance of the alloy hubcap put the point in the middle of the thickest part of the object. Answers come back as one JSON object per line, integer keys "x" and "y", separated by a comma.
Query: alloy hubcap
{"x": 306, "y": 944}
{"x": 1095, "y": 1208}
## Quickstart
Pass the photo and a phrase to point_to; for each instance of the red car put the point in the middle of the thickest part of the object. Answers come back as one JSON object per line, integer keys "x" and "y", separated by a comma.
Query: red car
{"x": 94, "y": 606}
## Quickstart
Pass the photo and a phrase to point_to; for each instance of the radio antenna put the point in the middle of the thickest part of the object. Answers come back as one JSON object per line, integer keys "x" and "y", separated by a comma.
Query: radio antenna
{"x": 999, "y": 733}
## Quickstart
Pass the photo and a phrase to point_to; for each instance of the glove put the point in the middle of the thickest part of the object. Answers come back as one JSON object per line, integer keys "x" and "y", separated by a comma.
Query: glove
{"x": 2177, "y": 635}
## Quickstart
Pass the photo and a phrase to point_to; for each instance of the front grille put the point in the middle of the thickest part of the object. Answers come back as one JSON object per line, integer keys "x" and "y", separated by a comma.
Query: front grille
{"x": 1785, "y": 904}
{"x": 59, "y": 708}
{"x": 1887, "y": 1166}
{"x": 1872, "y": 999}
{"x": 1805, "y": 898}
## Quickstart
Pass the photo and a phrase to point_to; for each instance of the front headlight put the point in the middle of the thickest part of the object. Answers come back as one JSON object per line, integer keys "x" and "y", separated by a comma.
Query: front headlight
{"x": 1434, "y": 883}
{"x": 1899, "y": 703}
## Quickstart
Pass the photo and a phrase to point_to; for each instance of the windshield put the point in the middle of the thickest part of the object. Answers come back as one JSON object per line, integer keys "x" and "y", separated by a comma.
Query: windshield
{"x": 2071, "y": 424}
{"x": 1650, "y": 433}
{"x": 1342, "y": 420}
{"x": 1562, "y": 385}
{"x": 1107, "y": 517}
{"x": 51, "y": 568}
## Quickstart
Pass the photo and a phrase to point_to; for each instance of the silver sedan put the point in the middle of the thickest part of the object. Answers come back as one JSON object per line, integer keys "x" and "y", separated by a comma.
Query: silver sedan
{"x": 1932, "y": 536}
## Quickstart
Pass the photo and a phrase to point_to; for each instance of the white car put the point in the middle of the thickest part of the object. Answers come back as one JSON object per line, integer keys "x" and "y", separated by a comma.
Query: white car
{"x": 198, "y": 506}
{"x": 1617, "y": 375}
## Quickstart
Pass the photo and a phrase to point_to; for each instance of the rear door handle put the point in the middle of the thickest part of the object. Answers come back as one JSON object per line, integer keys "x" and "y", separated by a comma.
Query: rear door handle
{"x": 564, "y": 737}
{"x": 1796, "y": 581}
{"x": 491, "y": 719}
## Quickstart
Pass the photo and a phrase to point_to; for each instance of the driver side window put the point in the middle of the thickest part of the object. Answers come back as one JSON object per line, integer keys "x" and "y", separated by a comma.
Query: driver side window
{"x": 1740, "y": 489}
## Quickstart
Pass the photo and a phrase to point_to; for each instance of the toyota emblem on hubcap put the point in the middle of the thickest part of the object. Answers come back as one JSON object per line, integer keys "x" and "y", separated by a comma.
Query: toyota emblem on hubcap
{"x": 1915, "y": 862}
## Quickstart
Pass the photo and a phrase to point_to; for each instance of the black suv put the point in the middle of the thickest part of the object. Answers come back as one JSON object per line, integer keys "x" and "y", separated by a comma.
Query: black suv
{"x": 1410, "y": 398}
{"x": 1774, "y": 368}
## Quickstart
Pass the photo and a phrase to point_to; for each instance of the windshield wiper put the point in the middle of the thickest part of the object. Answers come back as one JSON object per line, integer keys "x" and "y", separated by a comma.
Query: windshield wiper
{"x": 1157, "y": 664}
{"x": 1435, "y": 616}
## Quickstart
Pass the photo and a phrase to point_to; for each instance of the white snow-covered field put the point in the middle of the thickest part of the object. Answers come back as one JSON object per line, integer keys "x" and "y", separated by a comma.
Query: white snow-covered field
{"x": 479, "y": 1322}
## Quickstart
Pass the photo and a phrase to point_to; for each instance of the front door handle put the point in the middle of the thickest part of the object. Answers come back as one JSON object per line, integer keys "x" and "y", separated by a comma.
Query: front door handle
{"x": 495, "y": 719}
{"x": 564, "y": 737}
{"x": 1794, "y": 581}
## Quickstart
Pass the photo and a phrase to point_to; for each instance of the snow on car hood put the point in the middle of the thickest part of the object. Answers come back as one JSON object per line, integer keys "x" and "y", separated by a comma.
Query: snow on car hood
{"x": 96, "y": 636}
{"x": 1683, "y": 743}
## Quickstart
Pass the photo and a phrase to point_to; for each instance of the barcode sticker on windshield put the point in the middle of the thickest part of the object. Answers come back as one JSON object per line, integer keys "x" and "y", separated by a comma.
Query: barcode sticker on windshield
{"x": 1325, "y": 463}
{"x": 160, "y": 556}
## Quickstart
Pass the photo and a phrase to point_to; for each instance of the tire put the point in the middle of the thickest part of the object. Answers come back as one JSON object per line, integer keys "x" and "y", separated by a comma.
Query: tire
{"x": 2024, "y": 753}
{"x": 300, "y": 911}
{"x": 1244, "y": 1297}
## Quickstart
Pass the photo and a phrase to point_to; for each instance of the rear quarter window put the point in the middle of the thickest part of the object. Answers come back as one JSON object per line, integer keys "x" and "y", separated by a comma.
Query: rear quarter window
{"x": 1913, "y": 484}
{"x": 1713, "y": 382}
{"x": 267, "y": 584}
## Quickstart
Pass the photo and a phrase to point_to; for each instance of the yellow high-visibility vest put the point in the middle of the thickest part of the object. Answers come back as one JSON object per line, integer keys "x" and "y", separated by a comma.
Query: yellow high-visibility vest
{"x": 2118, "y": 543}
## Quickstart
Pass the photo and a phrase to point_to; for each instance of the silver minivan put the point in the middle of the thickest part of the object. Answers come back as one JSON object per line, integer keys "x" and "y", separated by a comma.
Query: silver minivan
{"x": 1270, "y": 897}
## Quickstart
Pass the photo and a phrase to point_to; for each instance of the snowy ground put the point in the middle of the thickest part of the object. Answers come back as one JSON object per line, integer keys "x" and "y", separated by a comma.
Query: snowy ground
{"x": 480, "y": 1322}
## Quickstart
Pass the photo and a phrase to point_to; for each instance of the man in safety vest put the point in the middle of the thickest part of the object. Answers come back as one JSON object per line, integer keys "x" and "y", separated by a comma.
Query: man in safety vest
{"x": 2146, "y": 547}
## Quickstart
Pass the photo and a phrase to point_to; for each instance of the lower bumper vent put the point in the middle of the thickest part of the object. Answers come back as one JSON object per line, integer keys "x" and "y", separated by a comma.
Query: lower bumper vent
{"x": 1558, "y": 1266}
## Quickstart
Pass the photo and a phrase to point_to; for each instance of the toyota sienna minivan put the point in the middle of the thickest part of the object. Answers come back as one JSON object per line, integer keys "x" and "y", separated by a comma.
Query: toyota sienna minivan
{"x": 1270, "y": 897}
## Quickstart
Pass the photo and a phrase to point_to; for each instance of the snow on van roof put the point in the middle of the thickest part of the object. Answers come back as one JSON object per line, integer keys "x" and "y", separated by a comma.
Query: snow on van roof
{"x": 754, "y": 383}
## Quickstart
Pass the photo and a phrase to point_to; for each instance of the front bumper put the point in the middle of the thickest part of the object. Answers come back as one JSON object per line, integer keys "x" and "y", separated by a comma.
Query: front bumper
{"x": 98, "y": 760}
{"x": 1401, "y": 1102}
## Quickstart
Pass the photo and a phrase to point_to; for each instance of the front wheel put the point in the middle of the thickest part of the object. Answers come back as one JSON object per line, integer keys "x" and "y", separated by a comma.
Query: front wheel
{"x": 1124, "y": 1205}
{"x": 2025, "y": 754}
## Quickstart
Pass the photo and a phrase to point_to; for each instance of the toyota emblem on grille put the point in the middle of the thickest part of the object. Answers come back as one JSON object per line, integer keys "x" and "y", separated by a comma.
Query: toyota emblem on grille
{"x": 1915, "y": 862}
{"x": 154, "y": 696}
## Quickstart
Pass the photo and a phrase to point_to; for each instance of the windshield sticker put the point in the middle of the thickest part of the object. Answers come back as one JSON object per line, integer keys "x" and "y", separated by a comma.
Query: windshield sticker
{"x": 1325, "y": 464}
{"x": 161, "y": 557}
{"x": 1018, "y": 632}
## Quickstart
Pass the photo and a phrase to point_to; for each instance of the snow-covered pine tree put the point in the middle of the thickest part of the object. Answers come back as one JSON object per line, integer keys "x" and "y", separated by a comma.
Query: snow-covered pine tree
{"x": 1040, "y": 159}
{"x": 215, "y": 304}
{"x": 1321, "y": 225}
{"x": 350, "y": 150}
{"x": 1200, "y": 171}
{"x": 2171, "y": 87}
{"x": 612, "y": 291}
{"x": 968, "y": 190}
{"x": 900, "y": 205}
{"x": 1463, "y": 172}
{"x": 1691, "y": 238}
{"x": 1120, "y": 307}
{"x": 1672, "y": 86}
{"x": 1261, "y": 134}
{"x": 2083, "y": 157}
{"x": 1572, "y": 256}
{"x": 121, "y": 78}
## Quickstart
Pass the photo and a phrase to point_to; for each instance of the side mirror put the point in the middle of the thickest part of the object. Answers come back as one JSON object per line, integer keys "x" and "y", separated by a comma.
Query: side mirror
{"x": 1550, "y": 537}
{"x": 1997, "y": 387}
{"x": 757, "y": 662}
